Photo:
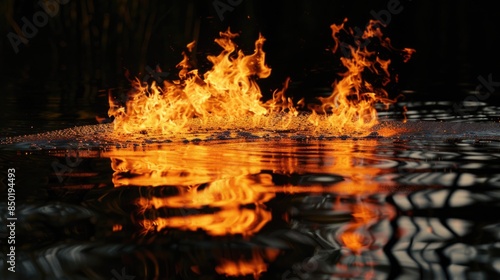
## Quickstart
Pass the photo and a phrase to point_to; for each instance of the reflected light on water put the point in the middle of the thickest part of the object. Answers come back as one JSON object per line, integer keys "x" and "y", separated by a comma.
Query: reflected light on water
{"x": 289, "y": 209}
{"x": 241, "y": 267}
{"x": 226, "y": 221}
{"x": 223, "y": 189}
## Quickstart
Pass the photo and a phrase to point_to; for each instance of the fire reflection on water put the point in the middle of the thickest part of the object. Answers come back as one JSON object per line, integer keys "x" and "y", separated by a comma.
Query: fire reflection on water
{"x": 223, "y": 189}
{"x": 241, "y": 267}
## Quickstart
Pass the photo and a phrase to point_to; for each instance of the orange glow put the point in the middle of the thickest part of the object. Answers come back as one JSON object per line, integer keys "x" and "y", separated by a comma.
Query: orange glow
{"x": 387, "y": 131}
{"x": 233, "y": 192}
{"x": 355, "y": 237}
{"x": 229, "y": 194}
{"x": 355, "y": 166}
{"x": 117, "y": 227}
{"x": 363, "y": 214}
{"x": 405, "y": 110}
{"x": 228, "y": 221}
{"x": 407, "y": 53}
{"x": 350, "y": 109}
{"x": 180, "y": 165}
{"x": 222, "y": 189}
{"x": 353, "y": 240}
{"x": 228, "y": 97}
{"x": 226, "y": 93}
{"x": 243, "y": 267}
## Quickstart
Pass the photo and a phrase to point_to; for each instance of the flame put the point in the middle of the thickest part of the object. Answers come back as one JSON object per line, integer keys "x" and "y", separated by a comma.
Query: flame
{"x": 226, "y": 93}
{"x": 350, "y": 109}
{"x": 407, "y": 53}
{"x": 228, "y": 96}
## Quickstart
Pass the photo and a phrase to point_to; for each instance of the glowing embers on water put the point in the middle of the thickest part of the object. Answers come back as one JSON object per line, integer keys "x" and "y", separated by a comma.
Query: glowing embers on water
{"x": 227, "y": 96}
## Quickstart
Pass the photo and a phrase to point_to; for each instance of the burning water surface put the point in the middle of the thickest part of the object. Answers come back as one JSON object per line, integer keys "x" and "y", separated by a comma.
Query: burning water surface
{"x": 228, "y": 96}
{"x": 226, "y": 103}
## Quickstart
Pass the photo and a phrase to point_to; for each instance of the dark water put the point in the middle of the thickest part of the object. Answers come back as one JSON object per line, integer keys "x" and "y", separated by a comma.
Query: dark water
{"x": 337, "y": 208}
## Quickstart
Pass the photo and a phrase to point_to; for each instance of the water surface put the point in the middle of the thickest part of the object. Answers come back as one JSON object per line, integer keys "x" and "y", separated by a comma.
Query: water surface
{"x": 241, "y": 205}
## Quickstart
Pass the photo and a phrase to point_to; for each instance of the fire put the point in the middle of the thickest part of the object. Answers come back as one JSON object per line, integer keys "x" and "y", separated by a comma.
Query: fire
{"x": 350, "y": 109}
{"x": 227, "y": 96}
{"x": 227, "y": 93}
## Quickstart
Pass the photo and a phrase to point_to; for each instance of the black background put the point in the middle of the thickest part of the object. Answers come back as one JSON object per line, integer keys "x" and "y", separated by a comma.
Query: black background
{"x": 88, "y": 46}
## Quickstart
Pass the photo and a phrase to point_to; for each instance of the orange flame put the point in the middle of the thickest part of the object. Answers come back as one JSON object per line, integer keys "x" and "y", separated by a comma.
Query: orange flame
{"x": 350, "y": 109}
{"x": 227, "y": 92}
{"x": 228, "y": 96}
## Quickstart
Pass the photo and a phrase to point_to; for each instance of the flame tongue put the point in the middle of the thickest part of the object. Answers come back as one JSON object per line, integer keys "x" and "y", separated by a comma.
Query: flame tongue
{"x": 229, "y": 88}
{"x": 351, "y": 106}
{"x": 227, "y": 91}
{"x": 228, "y": 96}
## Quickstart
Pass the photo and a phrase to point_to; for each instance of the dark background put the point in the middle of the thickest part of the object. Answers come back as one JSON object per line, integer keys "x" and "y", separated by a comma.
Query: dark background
{"x": 63, "y": 74}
